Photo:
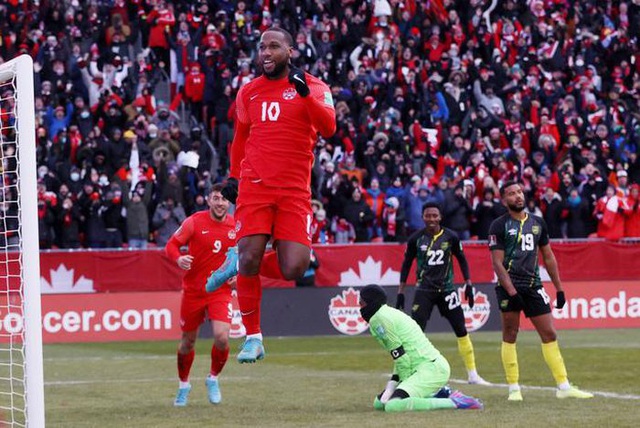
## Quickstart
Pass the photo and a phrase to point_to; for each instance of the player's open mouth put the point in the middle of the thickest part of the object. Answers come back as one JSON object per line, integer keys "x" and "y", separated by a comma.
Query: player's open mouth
{"x": 268, "y": 64}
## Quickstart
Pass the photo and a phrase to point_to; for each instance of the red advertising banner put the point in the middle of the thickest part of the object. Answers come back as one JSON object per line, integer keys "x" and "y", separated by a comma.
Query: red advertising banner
{"x": 342, "y": 265}
{"x": 596, "y": 304}
{"x": 111, "y": 317}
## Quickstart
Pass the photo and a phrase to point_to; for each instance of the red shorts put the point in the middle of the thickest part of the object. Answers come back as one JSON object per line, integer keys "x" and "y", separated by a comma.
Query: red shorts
{"x": 195, "y": 306}
{"x": 285, "y": 214}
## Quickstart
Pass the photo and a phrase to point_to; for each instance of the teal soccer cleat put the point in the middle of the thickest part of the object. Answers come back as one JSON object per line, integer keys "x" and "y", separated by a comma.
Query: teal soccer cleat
{"x": 224, "y": 273}
{"x": 182, "y": 396}
{"x": 213, "y": 390}
{"x": 252, "y": 351}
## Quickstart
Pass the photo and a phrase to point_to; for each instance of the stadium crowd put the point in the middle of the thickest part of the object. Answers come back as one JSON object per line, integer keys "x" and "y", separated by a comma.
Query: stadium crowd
{"x": 438, "y": 100}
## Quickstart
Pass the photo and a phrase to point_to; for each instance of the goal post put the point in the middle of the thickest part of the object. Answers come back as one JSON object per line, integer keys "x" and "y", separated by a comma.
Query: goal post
{"x": 21, "y": 364}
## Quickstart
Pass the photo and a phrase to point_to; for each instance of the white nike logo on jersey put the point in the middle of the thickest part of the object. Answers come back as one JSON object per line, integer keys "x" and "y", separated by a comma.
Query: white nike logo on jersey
{"x": 251, "y": 98}
{"x": 246, "y": 313}
{"x": 204, "y": 232}
{"x": 257, "y": 181}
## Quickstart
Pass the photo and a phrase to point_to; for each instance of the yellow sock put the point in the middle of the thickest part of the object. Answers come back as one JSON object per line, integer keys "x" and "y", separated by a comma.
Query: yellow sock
{"x": 465, "y": 348}
{"x": 510, "y": 362}
{"x": 553, "y": 357}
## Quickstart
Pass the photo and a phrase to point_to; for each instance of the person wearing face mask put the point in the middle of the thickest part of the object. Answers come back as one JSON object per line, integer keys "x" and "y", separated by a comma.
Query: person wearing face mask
{"x": 420, "y": 371}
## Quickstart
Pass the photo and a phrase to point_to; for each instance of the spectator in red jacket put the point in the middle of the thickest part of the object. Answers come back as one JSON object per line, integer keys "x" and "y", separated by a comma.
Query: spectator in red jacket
{"x": 194, "y": 90}
{"x": 609, "y": 211}
{"x": 632, "y": 218}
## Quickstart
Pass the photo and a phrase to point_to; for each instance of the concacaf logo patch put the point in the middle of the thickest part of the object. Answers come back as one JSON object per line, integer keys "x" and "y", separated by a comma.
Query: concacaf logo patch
{"x": 344, "y": 313}
{"x": 328, "y": 99}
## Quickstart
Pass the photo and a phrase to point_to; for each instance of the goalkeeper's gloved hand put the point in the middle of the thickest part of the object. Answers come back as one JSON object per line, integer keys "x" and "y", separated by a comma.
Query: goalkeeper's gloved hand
{"x": 516, "y": 301}
{"x": 400, "y": 301}
{"x": 230, "y": 190}
{"x": 389, "y": 389}
{"x": 468, "y": 294}
{"x": 296, "y": 76}
{"x": 560, "y": 300}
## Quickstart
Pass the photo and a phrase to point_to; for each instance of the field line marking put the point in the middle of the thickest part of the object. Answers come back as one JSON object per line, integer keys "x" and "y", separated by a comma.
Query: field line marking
{"x": 550, "y": 388}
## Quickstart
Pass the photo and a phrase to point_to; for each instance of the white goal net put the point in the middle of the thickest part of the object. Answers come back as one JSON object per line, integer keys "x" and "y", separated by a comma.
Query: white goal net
{"x": 21, "y": 374}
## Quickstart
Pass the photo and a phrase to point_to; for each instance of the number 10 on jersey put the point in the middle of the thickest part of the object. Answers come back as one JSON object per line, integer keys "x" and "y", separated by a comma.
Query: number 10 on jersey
{"x": 270, "y": 111}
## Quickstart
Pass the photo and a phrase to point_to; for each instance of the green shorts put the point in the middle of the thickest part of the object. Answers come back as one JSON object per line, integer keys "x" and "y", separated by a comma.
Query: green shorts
{"x": 428, "y": 378}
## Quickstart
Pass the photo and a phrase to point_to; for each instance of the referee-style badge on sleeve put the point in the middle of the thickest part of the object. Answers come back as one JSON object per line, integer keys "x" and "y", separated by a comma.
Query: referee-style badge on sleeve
{"x": 380, "y": 331}
{"x": 535, "y": 230}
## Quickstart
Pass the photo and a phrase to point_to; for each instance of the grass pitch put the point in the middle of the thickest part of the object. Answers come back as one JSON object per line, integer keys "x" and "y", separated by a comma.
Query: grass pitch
{"x": 331, "y": 381}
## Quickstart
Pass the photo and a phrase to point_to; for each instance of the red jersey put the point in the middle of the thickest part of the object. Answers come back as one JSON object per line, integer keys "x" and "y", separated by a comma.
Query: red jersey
{"x": 208, "y": 241}
{"x": 282, "y": 130}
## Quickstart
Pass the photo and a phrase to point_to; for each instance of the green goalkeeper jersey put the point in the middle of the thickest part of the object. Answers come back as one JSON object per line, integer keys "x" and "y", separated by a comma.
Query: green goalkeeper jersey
{"x": 403, "y": 339}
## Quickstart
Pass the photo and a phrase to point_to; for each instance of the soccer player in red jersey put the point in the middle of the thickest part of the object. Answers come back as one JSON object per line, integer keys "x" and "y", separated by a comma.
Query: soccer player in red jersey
{"x": 279, "y": 115}
{"x": 209, "y": 234}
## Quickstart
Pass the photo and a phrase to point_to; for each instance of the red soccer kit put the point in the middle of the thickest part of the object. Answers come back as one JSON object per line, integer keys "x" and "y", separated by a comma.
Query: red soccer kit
{"x": 272, "y": 154}
{"x": 208, "y": 241}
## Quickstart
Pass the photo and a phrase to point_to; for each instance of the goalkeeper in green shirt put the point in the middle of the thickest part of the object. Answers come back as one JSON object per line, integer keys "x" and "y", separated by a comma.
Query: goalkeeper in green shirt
{"x": 420, "y": 372}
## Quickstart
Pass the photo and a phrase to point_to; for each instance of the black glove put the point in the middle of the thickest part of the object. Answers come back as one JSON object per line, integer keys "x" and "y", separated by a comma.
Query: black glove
{"x": 516, "y": 301}
{"x": 230, "y": 190}
{"x": 468, "y": 295}
{"x": 400, "y": 301}
{"x": 296, "y": 76}
{"x": 560, "y": 300}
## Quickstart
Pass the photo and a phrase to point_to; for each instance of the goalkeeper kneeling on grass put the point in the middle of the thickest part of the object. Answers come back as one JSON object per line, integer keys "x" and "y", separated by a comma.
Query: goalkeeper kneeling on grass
{"x": 420, "y": 372}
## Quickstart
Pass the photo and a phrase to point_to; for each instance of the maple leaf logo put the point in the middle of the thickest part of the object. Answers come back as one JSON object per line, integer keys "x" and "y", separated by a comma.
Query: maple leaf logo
{"x": 62, "y": 281}
{"x": 369, "y": 272}
{"x": 344, "y": 313}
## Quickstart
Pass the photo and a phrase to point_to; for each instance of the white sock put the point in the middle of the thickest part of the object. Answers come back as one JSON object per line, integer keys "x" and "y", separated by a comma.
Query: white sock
{"x": 184, "y": 384}
{"x": 514, "y": 387}
{"x": 473, "y": 374}
{"x": 564, "y": 386}
{"x": 255, "y": 336}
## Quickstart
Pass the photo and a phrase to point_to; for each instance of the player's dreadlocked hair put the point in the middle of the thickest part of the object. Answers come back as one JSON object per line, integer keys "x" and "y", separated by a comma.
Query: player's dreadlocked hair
{"x": 287, "y": 35}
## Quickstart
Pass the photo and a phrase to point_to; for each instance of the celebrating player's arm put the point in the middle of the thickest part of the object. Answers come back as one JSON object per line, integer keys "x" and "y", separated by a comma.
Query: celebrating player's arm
{"x": 179, "y": 239}
{"x": 319, "y": 105}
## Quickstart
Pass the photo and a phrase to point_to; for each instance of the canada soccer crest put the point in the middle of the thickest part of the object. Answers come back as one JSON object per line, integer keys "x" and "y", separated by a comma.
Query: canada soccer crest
{"x": 232, "y": 234}
{"x": 344, "y": 313}
{"x": 289, "y": 94}
{"x": 476, "y": 317}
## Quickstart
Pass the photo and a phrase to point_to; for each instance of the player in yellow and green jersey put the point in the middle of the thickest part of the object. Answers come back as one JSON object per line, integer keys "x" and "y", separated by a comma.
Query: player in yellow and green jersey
{"x": 515, "y": 239}
{"x": 434, "y": 247}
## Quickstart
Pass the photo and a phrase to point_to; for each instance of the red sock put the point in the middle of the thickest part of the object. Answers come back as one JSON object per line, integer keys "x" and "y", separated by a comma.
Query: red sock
{"x": 218, "y": 359}
{"x": 249, "y": 296}
{"x": 270, "y": 267}
{"x": 185, "y": 361}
